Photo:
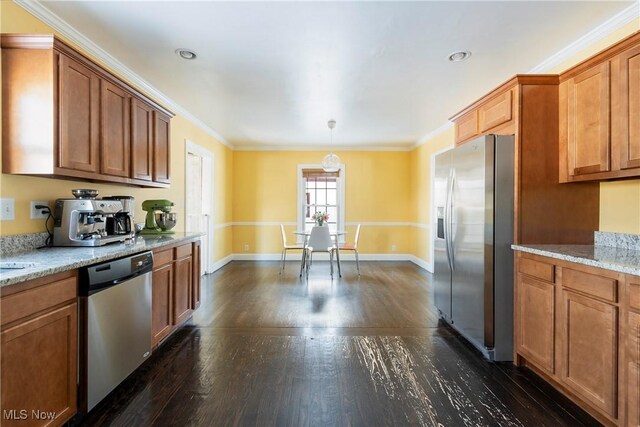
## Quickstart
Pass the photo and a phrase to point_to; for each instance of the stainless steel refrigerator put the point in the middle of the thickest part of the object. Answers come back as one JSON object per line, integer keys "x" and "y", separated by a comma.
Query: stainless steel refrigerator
{"x": 473, "y": 260}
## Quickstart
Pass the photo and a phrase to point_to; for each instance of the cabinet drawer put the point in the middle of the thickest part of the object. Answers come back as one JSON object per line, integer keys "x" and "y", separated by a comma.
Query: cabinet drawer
{"x": 162, "y": 257}
{"x": 28, "y": 302}
{"x": 467, "y": 126}
{"x": 537, "y": 269}
{"x": 496, "y": 112}
{"x": 183, "y": 251}
{"x": 633, "y": 289}
{"x": 591, "y": 284}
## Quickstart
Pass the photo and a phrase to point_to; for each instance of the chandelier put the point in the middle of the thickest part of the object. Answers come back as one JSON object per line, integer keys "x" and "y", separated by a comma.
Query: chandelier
{"x": 331, "y": 162}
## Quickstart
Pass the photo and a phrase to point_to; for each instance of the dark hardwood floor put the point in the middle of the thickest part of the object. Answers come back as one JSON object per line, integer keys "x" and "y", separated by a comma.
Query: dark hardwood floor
{"x": 266, "y": 349}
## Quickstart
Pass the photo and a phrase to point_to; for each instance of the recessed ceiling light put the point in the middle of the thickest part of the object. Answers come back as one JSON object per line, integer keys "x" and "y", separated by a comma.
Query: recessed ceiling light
{"x": 186, "y": 54}
{"x": 459, "y": 56}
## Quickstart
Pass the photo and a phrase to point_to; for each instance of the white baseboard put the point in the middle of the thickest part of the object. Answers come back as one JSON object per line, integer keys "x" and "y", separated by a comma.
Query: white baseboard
{"x": 422, "y": 263}
{"x": 325, "y": 257}
{"x": 217, "y": 265}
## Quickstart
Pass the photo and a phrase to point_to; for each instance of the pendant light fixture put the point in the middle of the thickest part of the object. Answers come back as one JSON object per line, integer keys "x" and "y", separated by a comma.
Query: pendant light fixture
{"x": 331, "y": 162}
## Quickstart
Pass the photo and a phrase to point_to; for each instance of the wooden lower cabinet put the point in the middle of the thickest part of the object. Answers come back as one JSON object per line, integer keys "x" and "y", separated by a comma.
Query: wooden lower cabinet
{"x": 577, "y": 328}
{"x": 536, "y": 320}
{"x": 161, "y": 303}
{"x": 39, "y": 354}
{"x": 182, "y": 289}
{"x": 590, "y": 350}
{"x": 196, "y": 297}
{"x": 633, "y": 369}
{"x": 176, "y": 288}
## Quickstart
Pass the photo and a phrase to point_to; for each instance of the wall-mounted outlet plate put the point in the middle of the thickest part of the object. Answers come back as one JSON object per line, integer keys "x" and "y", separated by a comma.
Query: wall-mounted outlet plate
{"x": 37, "y": 213}
{"x": 393, "y": 248}
{"x": 246, "y": 248}
{"x": 7, "y": 209}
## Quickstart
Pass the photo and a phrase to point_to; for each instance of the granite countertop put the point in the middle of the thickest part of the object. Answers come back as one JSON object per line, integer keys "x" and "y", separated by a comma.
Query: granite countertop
{"x": 623, "y": 260}
{"x": 55, "y": 260}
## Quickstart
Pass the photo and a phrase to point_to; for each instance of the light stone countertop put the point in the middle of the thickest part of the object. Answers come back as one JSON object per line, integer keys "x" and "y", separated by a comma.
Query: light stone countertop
{"x": 623, "y": 260}
{"x": 55, "y": 260}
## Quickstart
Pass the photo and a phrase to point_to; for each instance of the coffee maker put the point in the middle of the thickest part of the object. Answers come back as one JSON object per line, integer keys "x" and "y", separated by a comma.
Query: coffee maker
{"x": 122, "y": 222}
{"x": 87, "y": 221}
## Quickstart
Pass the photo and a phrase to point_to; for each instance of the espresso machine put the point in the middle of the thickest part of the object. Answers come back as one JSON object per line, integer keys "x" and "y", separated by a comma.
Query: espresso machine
{"x": 87, "y": 221}
{"x": 159, "y": 219}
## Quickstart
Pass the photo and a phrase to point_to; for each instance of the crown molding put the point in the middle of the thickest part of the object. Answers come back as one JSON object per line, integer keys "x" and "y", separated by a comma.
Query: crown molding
{"x": 432, "y": 135}
{"x": 37, "y": 9}
{"x": 614, "y": 23}
{"x": 322, "y": 148}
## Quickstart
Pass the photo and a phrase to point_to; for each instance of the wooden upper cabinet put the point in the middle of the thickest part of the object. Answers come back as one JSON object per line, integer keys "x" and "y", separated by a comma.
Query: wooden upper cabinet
{"x": 114, "y": 130}
{"x": 64, "y": 115}
{"x": 141, "y": 140}
{"x": 588, "y": 129}
{"x": 627, "y": 109}
{"x": 496, "y": 112}
{"x": 466, "y": 126}
{"x": 161, "y": 148}
{"x": 590, "y": 353}
{"x": 79, "y": 121}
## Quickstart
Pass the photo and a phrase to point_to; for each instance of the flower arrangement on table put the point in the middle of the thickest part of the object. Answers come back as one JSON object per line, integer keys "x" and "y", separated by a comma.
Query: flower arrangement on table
{"x": 320, "y": 218}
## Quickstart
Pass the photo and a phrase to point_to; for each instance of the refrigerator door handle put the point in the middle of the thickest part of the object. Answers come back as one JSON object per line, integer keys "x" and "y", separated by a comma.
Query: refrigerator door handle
{"x": 450, "y": 205}
{"x": 447, "y": 225}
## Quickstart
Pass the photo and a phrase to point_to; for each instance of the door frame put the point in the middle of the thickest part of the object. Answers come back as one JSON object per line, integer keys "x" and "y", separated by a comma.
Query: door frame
{"x": 208, "y": 171}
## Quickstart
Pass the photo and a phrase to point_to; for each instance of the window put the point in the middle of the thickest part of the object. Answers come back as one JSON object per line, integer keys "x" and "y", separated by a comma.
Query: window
{"x": 320, "y": 191}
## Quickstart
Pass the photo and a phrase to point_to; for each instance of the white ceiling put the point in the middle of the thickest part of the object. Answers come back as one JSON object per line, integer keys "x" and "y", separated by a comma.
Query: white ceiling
{"x": 273, "y": 73}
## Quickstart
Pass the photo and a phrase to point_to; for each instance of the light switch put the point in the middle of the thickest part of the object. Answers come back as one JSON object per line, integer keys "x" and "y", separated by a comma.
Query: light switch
{"x": 7, "y": 209}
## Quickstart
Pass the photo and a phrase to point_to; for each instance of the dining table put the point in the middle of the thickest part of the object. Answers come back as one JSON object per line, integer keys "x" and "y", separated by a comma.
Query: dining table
{"x": 335, "y": 234}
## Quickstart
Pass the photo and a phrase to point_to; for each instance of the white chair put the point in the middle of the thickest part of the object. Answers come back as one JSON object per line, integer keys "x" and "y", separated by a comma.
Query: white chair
{"x": 354, "y": 247}
{"x": 319, "y": 241}
{"x": 286, "y": 247}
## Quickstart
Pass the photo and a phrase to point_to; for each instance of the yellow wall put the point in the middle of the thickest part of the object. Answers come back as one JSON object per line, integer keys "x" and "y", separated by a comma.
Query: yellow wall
{"x": 377, "y": 190}
{"x": 420, "y": 166}
{"x": 14, "y": 19}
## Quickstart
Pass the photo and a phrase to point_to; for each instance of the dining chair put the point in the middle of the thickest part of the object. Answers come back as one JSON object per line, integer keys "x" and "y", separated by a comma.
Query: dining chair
{"x": 286, "y": 247}
{"x": 319, "y": 241}
{"x": 354, "y": 247}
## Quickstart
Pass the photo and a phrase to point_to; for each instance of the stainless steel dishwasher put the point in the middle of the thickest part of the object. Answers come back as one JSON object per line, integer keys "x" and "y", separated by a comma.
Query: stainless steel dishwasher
{"x": 115, "y": 329}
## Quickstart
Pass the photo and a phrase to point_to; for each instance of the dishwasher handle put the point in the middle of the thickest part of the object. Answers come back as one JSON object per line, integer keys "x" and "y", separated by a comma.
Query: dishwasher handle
{"x": 99, "y": 277}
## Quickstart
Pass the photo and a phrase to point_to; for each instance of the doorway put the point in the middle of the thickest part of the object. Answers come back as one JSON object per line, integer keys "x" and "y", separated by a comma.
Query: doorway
{"x": 199, "y": 199}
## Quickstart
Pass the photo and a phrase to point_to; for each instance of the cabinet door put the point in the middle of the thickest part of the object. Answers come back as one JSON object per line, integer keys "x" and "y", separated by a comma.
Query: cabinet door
{"x": 115, "y": 150}
{"x": 536, "y": 319}
{"x": 588, "y": 121}
{"x": 633, "y": 373}
{"x": 466, "y": 126}
{"x": 161, "y": 148}
{"x": 590, "y": 353}
{"x": 78, "y": 109}
{"x": 628, "y": 135}
{"x": 182, "y": 289}
{"x": 38, "y": 366}
{"x": 195, "y": 293}
{"x": 161, "y": 307}
{"x": 141, "y": 140}
{"x": 496, "y": 111}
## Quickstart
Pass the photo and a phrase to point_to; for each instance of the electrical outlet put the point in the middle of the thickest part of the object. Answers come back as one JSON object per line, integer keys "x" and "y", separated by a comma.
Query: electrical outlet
{"x": 37, "y": 213}
{"x": 246, "y": 248}
{"x": 7, "y": 209}
{"x": 393, "y": 248}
